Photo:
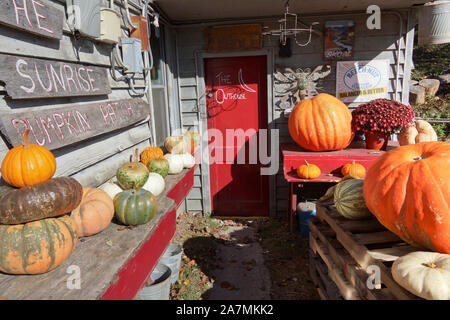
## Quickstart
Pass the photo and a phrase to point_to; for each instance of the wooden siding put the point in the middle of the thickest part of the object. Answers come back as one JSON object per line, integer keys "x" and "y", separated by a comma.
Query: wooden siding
{"x": 92, "y": 161}
{"x": 369, "y": 44}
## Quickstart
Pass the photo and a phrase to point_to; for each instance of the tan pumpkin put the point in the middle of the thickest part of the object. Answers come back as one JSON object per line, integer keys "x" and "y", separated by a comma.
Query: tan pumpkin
{"x": 94, "y": 213}
{"x": 176, "y": 144}
{"x": 425, "y": 274}
{"x": 420, "y": 131}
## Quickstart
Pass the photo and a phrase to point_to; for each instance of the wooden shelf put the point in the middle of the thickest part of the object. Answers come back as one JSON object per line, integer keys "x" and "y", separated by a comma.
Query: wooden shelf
{"x": 115, "y": 271}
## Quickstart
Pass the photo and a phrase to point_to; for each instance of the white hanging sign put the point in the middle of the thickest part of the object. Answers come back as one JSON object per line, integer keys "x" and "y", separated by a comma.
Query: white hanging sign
{"x": 362, "y": 81}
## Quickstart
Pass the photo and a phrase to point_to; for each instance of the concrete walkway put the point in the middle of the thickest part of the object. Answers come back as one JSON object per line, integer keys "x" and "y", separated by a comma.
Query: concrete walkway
{"x": 244, "y": 275}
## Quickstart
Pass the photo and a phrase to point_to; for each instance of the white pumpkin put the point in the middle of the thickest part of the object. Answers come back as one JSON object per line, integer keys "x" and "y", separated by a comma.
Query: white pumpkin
{"x": 155, "y": 184}
{"x": 111, "y": 188}
{"x": 175, "y": 163}
{"x": 425, "y": 274}
{"x": 188, "y": 160}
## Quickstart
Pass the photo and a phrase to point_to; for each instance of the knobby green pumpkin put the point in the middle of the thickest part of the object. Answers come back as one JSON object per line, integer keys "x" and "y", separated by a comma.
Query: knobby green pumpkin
{"x": 36, "y": 247}
{"x": 133, "y": 207}
{"x": 132, "y": 174}
{"x": 158, "y": 165}
{"x": 48, "y": 199}
{"x": 349, "y": 199}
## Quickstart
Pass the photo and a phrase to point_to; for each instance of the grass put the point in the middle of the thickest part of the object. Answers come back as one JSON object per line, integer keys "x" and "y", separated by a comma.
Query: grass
{"x": 430, "y": 61}
{"x": 435, "y": 108}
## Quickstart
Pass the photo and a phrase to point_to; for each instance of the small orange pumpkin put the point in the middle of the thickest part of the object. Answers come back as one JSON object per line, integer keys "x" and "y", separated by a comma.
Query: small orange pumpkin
{"x": 353, "y": 168}
{"x": 308, "y": 171}
{"x": 94, "y": 213}
{"x": 28, "y": 164}
{"x": 151, "y": 153}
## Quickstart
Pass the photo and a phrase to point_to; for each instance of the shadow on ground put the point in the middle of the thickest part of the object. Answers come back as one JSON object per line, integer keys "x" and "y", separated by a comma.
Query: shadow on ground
{"x": 249, "y": 260}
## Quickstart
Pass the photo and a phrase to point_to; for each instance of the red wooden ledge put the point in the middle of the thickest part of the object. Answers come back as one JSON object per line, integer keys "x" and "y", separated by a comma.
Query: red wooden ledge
{"x": 133, "y": 275}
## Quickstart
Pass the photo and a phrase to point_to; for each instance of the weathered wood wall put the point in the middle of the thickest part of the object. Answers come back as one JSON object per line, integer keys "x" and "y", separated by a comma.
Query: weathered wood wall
{"x": 369, "y": 44}
{"x": 96, "y": 159}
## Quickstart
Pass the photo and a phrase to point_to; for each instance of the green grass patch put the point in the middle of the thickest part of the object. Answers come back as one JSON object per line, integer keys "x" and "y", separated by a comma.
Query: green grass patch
{"x": 430, "y": 60}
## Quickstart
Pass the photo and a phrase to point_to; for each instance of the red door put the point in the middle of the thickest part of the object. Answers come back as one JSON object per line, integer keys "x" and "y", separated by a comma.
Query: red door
{"x": 236, "y": 111}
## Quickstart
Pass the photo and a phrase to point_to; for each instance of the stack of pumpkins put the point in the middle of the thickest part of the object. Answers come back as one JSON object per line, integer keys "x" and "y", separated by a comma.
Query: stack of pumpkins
{"x": 140, "y": 182}
{"x": 407, "y": 189}
{"x": 40, "y": 216}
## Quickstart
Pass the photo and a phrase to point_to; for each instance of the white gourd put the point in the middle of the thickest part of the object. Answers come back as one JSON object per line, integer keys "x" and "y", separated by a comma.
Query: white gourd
{"x": 425, "y": 274}
{"x": 175, "y": 163}
{"x": 111, "y": 188}
{"x": 155, "y": 184}
{"x": 188, "y": 160}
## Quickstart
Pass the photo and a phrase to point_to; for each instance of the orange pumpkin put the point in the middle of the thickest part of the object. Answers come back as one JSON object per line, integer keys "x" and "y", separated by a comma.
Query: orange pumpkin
{"x": 151, "y": 153}
{"x": 94, "y": 213}
{"x": 408, "y": 190}
{"x": 28, "y": 164}
{"x": 353, "y": 168}
{"x": 308, "y": 171}
{"x": 38, "y": 246}
{"x": 321, "y": 123}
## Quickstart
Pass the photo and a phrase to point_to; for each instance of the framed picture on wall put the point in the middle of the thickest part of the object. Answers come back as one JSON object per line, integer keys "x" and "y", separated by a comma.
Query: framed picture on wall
{"x": 339, "y": 38}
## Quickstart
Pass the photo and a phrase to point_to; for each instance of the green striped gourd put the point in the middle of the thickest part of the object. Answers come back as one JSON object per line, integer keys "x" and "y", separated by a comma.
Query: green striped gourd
{"x": 349, "y": 199}
{"x": 158, "y": 165}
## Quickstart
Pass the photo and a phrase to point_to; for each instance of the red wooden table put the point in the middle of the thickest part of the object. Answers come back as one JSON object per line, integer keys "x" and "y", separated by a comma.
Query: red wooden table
{"x": 329, "y": 162}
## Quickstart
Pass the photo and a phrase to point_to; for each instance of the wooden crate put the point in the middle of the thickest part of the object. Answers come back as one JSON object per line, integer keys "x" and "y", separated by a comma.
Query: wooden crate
{"x": 350, "y": 247}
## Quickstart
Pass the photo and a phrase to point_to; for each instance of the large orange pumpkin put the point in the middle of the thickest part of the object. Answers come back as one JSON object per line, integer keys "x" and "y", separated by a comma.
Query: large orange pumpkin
{"x": 94, "y": 213}
{"x": 321, "y": 123}
{"x": 28, "y": 164}
{"x": 408, "y": 190}
{"x": 36, "y": 247}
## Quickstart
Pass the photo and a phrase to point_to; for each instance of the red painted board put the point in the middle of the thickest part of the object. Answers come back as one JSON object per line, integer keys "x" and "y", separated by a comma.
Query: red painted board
{"x": 179, "y": 191}
{"x": 133, "y": 275}
{"x": 329, "y": 162}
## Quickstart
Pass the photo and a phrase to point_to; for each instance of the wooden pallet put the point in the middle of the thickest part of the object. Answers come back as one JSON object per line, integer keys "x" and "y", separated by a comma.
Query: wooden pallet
{"x": 350, "y": 247}
{"x": 318, "y": 271}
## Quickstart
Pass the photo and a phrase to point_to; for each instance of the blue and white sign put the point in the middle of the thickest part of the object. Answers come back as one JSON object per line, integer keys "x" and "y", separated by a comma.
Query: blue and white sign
{"x": 362, "y": 81}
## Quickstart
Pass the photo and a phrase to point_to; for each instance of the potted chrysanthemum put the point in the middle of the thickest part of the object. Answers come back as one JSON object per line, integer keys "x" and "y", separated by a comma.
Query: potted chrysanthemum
{"x": 380, "y": 118}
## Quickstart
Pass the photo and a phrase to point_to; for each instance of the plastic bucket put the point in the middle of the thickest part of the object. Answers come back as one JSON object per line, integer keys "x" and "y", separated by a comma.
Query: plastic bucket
{"x": 172, "y": 259}
{"x": 305, "y": 210}
{"x": 160, "y": 288}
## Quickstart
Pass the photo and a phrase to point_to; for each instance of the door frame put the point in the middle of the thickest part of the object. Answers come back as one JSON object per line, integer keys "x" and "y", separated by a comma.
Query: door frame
{"x": 200, "y": 57}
